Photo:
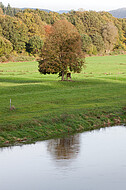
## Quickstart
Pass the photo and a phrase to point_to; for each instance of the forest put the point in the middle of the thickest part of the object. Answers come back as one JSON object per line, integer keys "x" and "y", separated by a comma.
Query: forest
{"x": 24, "y": 32}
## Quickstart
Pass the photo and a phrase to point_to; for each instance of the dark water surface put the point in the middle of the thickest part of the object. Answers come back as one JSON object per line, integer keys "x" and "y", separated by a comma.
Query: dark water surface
{"x": 89, "y": 161}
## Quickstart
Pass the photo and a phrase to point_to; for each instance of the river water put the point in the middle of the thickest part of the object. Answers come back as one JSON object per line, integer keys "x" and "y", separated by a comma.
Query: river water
{"x": 93, "y": 160}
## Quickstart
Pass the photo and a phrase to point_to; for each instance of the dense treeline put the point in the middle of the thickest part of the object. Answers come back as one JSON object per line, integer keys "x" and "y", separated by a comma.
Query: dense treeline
{"x": 9, "y": 10}
{"x": 25, "y": 32}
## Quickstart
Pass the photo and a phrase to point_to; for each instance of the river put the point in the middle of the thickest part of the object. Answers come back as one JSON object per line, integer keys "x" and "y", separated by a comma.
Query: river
{"x": 93, "y": 160}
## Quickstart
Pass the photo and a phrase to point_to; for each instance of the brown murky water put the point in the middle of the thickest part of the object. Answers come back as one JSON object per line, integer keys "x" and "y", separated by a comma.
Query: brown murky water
{"x": 89, "y": 161}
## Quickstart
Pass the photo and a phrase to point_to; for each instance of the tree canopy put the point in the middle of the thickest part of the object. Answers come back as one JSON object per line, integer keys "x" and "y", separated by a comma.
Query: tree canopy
{"x": 28, "y": 29}
{"x": 5, "y": 46}
{"x": 14, "y": 30}
{"x": 34, "y": 45}
{"x": 62, "y": 52}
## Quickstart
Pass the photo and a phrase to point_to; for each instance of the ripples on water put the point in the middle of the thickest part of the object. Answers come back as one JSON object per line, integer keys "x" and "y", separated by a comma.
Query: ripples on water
{"x": 89, "y": 161}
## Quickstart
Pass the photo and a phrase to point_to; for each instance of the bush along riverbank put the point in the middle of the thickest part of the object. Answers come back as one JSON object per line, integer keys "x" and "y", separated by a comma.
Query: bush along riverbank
{"x": 53, "y": 126}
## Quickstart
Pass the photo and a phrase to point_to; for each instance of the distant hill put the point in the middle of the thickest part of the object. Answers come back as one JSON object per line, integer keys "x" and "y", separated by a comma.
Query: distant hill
{"x": 62, "y": 11}
{"x": 38, "y": 8}
{"x": 119, "y": 13}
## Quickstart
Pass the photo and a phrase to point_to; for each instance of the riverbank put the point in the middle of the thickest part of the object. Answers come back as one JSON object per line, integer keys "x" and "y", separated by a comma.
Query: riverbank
{"x": 45, "y": 107}
{"x": 60, "y": 125}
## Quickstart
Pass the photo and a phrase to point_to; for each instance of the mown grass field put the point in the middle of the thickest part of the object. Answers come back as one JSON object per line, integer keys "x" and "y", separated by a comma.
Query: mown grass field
{"x": 46, "y": 106}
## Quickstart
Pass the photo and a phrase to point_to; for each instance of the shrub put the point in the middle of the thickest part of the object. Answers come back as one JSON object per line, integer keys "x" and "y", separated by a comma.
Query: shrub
{"x": 5, "y": 46}
{"x": 3, "y": 59}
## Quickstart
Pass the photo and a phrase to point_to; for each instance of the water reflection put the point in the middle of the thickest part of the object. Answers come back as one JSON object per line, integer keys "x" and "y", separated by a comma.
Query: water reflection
{"x": 9, "y": 148}
{"x": 89, "y": 161}
{"x": 64, "y": 148}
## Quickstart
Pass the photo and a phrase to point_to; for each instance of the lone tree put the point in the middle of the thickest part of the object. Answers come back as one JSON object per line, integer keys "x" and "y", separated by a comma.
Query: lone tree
{"x": 61, "y": 52}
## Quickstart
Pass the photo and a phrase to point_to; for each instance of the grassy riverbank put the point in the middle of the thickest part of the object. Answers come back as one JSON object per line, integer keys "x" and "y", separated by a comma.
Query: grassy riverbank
{"x": 46, "y": 107}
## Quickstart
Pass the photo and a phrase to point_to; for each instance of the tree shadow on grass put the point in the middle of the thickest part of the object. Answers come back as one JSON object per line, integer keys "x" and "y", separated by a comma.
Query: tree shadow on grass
{"x": 85, "y": 81}
{"x": 20, "y": 80}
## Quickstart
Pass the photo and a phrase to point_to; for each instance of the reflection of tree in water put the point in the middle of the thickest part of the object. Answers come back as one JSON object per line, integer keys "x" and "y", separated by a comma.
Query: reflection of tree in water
{"x": 6, "y": 148}
{"x": 65, "y": 148}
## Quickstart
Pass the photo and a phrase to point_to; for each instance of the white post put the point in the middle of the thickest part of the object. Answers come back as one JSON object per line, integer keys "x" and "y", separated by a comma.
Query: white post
{"x": 10, "y": 103}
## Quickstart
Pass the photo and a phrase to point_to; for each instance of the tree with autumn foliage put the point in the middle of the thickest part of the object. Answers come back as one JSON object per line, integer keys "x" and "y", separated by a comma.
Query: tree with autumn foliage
{"x": 61, "y": 52}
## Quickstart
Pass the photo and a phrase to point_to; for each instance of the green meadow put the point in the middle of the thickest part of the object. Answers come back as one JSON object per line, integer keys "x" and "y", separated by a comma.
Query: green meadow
{"x": 46, "y": 107}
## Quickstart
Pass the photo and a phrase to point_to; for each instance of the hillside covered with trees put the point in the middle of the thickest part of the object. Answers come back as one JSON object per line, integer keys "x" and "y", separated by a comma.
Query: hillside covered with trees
{"x": 24, "y": 32}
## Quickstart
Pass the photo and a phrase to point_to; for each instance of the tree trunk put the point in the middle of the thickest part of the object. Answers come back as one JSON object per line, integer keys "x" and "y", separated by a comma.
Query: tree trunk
{"x": 62, "y": 75}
